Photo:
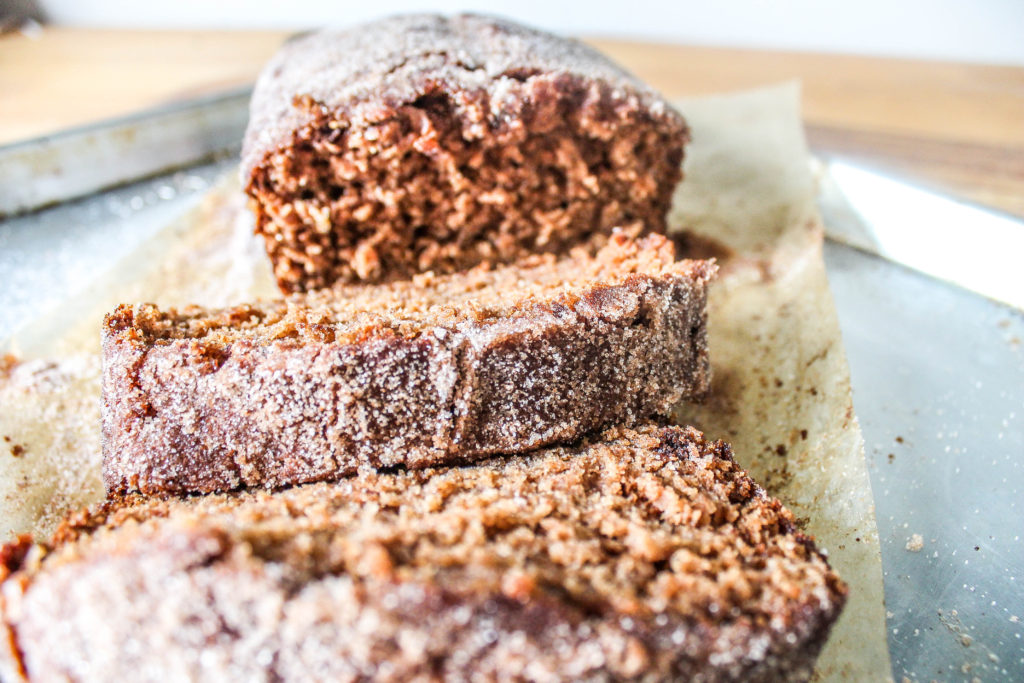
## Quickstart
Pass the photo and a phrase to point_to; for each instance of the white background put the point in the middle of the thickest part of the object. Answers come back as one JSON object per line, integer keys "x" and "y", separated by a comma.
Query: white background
{"x": 962, "y": 30}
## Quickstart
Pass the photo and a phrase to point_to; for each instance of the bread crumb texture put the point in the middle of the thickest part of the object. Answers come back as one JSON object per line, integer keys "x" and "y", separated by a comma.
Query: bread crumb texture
{"x": 427, "y": 143}
{"x": 643, "y": 554}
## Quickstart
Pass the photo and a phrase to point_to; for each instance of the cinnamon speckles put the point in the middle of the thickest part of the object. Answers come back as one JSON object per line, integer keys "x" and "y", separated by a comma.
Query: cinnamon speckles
{"x": 17, "y": 449}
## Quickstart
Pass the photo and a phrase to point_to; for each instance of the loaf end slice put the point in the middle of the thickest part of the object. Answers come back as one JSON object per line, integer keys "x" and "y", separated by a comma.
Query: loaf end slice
{"x": 643, "y": 554}
{"x": 429, "y": 143}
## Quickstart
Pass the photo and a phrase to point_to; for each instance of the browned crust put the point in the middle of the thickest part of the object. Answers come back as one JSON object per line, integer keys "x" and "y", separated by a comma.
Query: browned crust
{"x": 370, "y": 70}
{"x": 200, "y": 415}
{"x": 644, "y": 555}
{"x": 424, "y": 142}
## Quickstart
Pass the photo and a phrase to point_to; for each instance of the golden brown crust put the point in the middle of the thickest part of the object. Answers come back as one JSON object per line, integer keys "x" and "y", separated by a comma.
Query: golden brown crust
{"x": 644, "y": 554}
{"x": 427, "y": 143}
{"x": 443, "y": 369}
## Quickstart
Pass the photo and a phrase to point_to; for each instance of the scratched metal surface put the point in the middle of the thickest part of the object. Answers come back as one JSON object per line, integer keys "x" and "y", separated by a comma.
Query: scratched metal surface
{"x": 82, "y": 161}
{"x": 938, "y": 386}
{"x": 48, "y": 255}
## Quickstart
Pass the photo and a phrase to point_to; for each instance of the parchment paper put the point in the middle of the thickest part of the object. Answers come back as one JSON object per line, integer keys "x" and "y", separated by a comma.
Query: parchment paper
{"x": 781, "y": 391}
{"x": 781, "y": 385}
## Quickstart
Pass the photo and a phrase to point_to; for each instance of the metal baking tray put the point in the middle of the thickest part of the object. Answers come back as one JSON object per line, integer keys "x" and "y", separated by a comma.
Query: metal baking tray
{"x": 938, "y": 387}
{"x": 937, "y": 374}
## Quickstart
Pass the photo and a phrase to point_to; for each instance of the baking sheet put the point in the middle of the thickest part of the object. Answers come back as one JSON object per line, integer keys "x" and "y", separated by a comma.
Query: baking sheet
{"x": 51, "y": 255}
{"x": 80, "y": 161}
{"x": 782, "y": 392}
{"x": 938, "y": 381}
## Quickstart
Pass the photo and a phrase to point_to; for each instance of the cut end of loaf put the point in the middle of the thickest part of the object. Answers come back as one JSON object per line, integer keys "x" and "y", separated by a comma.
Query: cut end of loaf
{"x": 484, "y": 294}
{"x": 418, "y": 192}
{"x": 455, "y": 156}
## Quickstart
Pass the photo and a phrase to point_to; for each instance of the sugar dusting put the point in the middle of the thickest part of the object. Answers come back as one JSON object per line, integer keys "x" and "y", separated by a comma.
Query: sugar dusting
{"x": 51, "y": 404}
{"x": 445, "y": 370}
{"x": 50, "y": 450}
{"x": 646, "y": 554}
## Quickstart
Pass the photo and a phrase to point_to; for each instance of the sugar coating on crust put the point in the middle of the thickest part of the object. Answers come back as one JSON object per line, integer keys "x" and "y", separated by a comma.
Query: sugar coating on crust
{"x": 428, "y": 143}
{"x": 642, "y": 554}
{"x": 444, "y": 369}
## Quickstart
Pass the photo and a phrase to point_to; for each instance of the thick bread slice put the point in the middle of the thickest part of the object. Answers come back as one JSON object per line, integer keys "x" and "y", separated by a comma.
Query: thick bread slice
{"x": 435, "y": 370}
{"x": 429, "y": 143}
{"x": 646, "y": 555}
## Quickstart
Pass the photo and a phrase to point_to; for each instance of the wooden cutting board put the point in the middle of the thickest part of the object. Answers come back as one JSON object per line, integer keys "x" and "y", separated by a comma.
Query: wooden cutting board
{"x": 955, "y": 127}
